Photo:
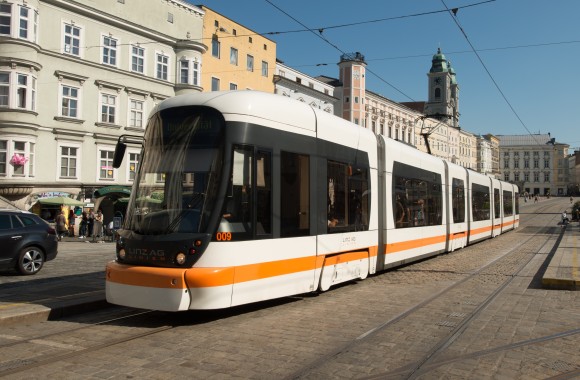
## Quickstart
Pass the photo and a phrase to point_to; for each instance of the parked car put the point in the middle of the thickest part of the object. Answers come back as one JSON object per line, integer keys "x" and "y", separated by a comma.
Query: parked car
{"x": 27, "y": 241}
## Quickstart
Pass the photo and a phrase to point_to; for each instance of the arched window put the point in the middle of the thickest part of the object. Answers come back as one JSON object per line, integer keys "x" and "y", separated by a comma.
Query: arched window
{"x": 437, "y": 93}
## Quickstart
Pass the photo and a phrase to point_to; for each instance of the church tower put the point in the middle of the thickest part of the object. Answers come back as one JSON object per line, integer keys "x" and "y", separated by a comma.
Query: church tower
{"x": 352, "y": 75}
{"x": 443, "y": 99}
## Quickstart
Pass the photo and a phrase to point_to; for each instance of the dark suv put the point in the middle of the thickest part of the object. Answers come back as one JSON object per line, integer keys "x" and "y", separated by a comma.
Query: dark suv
{"x": 26, "y": 241}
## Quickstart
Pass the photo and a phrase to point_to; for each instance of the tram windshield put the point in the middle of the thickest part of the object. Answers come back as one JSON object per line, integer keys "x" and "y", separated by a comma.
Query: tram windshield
{"x": 176, "y": 185}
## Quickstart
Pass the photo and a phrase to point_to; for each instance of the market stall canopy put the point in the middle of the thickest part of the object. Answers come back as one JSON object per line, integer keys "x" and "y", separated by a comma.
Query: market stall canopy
{"x": 116, "y": 191}
{"x": 60, "y": 201}
{"x": 142, "y": 199}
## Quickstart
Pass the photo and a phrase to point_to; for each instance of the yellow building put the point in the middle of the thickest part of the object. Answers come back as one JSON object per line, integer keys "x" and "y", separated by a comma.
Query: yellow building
{"x": 237, "y": 57}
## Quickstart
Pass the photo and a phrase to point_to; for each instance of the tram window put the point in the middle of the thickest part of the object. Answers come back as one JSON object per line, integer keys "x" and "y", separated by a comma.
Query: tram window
{"x": 295, "y": 194}
{"x": 496, "y": 204}
{"x": 417, "y": 197}
{"x": 347, "y": 197}
{"x": 458, "y": 201}
{"x": 480, "y": 202}
{"x": 237, "y": 215}
{"x": 517, "y": 206}
{"x": 263, "y": 193}
{"x": 508, "y": 209}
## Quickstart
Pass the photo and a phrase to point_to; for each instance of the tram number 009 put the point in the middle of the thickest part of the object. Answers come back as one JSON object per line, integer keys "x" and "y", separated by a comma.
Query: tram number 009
{"x": 223, "y": 236}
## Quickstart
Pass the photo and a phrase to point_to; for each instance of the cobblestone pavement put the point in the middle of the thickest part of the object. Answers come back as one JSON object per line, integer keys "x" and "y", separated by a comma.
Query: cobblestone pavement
{"x": 478, "y": 313}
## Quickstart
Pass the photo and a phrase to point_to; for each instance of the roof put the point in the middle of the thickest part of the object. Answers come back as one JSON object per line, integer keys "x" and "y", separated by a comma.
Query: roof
{"x": 417, "y": 106}
{"x": 522, "y": 140}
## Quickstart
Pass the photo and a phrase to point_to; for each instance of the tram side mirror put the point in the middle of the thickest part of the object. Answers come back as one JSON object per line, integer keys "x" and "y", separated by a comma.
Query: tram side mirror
{"x": 119, "y": 154}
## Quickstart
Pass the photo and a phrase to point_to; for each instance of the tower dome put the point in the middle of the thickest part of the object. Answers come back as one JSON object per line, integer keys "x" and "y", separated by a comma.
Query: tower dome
{"x": 439, "y": 63}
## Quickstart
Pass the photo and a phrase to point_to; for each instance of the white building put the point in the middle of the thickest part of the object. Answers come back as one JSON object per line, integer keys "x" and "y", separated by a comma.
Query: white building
{"x": 297, "y": 85}
{"x": 74, "y": 76}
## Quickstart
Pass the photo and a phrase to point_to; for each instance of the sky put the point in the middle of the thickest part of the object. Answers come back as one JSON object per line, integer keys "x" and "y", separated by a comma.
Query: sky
{"x": 516, "y": 61}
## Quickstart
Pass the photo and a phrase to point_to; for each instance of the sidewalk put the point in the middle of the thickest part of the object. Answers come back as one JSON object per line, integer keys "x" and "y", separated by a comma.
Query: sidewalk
{"x": 563, "y": 271}
{"x": 73, "y": 283}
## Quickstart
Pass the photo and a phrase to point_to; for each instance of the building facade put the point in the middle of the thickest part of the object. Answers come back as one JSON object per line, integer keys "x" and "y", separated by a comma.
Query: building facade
{"x": 238, "y": 58}
{"x": 74, "y": 77}
{"x": 536, "y": 163}
{"x": 297, "y": 85}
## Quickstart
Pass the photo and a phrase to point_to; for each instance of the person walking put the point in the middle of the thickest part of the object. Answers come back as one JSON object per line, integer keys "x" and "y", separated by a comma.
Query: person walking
{"x": 83, "y": 225}
{"x": 90, "y": 223}
{"x": 60, "y": 221}
{"x": 98, "y": 227}
{"x": 71, "y": 223}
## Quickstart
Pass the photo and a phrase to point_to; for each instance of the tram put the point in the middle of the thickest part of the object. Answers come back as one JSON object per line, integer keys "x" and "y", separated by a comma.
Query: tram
{"x": 245, "y": 196}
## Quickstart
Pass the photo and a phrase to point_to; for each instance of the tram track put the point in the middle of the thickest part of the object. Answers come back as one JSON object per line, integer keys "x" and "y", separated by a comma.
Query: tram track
{"x": 29, "y": 363}
{"x": 429, "y": 359}
{"x": 515, "y": 259}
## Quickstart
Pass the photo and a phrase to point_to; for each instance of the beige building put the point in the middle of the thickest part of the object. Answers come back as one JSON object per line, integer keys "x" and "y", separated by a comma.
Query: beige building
{"x": 238, "y": 58}
{"x": 74, "y": 76}
{"x": 536, "y": 163}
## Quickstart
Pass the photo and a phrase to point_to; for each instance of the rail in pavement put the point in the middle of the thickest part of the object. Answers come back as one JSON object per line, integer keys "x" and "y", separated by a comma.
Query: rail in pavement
{"x": 32, "y": 300}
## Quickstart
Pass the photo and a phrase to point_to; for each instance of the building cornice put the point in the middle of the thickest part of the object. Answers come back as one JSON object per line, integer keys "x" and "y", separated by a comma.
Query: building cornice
{"x": 98, "y": 15}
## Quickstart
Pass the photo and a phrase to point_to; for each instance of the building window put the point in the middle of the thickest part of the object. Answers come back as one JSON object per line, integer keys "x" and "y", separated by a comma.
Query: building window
{"x": 526, "y": 164}
{"x": 546, "y": 163}
{"x": 527, "y": 177}
{"x": 250, "y": 63}
{"x": 234, "y": 56}
{"x": 137, "y": 59}
{"x": 3, "y": 157}
{"x": 506, "y": 177}
{"x": 546, "y": 177}
{"x": 135, "y": 113}
{"x": 516, "y": 177}
{"x": 516, "y": 163}
{"x": 68, "y": 162}
{"x": 106, "y": 164}
{"x": 184, "y": 71}
{"x": 196, "y": 73}
{"x": 233, "y": 86}
{"x": 108, "y": 108}
{"x": 215, "y": 48}
{"x": 162, "y": 71}
{"x": 70, "y": 102}
{"x": 536, "y": 163}
{"x": 17, "y": 90}
{"x": 109, "y": 51}
{"x": 16, "y": 158}
{"x": 133, "y": 162}
{"x": 506, "y": 164}
{"x": 21, "y": 87}
{"x": 215, "y": 84}
{"x": 5, "y": 19}
{"x": 26, "y": 21}
{"x": 23, "y": 27}
{"x": 264, "y": 69}
{"x": 72, "y": 39}
{"x": 536, "y": 177}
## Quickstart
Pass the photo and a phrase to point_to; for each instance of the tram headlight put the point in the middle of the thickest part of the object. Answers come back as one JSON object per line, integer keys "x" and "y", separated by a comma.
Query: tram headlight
{"x": 180, "y": 258}
{"x": 121, "y": 254}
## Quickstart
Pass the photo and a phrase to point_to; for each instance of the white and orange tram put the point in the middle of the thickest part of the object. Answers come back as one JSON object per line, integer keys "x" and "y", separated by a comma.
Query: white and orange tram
{"x": 245, "y": 196}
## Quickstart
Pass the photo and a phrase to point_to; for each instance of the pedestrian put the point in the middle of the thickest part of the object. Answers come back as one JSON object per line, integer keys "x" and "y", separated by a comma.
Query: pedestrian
{"x": 83, "y": 225}
{"x": 90, "y": 222}
{"x": 98, "y": 227}
{"x": 60, "y": 225}
{"x": 571, "y": 200}
{"x": 71, "y": 223}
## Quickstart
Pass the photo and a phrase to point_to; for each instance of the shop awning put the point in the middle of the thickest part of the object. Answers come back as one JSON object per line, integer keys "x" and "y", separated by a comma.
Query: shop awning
{"x": 60, "y": 201}
{"x": 117, "y": 191}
